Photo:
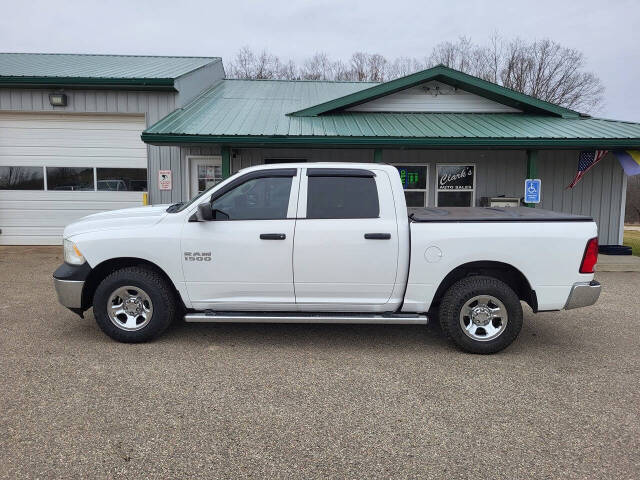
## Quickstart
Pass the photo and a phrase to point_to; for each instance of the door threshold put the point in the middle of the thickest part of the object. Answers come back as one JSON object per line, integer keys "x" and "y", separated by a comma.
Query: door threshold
{"x": 303, "y": 317}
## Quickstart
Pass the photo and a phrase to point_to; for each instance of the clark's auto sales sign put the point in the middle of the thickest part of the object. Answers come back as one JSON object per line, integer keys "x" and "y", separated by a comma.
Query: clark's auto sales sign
{"x": 455, "y": 177}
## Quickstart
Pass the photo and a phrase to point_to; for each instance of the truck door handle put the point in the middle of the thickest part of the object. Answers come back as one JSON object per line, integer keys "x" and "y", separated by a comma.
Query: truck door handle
{"x": 272, "y": 236}
{"x": 377, "y": 236}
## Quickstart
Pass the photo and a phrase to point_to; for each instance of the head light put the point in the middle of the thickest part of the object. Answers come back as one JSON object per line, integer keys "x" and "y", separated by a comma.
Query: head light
{"x": 71, "y": 253}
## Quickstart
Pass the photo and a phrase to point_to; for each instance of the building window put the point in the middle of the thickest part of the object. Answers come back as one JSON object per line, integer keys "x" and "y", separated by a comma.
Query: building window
{"x": 21, "y": 178}
{"x": 70, "y": 178}
{"x": 456, "y": 185}
{"x": 208, "y": 176}
{"x": 342, "y": 197}
{"x": 414, "y": 181}
{"x": 122, "y": 179}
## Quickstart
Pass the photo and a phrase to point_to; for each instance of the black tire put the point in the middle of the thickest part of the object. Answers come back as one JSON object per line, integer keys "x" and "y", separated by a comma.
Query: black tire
{"x": 158, "y": 290}
{"x": 466, "y": 289}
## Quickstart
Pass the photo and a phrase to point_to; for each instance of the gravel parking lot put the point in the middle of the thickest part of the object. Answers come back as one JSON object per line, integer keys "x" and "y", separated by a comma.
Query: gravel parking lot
{"x": 298, "y": 401}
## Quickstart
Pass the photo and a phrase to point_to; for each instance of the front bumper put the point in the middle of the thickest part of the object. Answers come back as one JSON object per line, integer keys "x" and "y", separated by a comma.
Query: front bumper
{"x": 69, "y": 292}
{"x": 69, "y": 282}
{"x": 583, "y": 294}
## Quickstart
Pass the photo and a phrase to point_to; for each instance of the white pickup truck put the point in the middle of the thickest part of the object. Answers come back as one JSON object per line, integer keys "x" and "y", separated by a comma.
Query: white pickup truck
{"x": 325, "y": 243}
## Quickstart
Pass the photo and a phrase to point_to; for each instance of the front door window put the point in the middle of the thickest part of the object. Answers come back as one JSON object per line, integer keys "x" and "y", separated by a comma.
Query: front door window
{"x": 258, "y": 199}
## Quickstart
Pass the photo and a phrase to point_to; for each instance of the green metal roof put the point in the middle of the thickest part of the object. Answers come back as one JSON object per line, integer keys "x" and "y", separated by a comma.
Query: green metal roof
{"x": 451, "y": 77}
{"x": 21, "y": 69}
{"x": 251, "y": 112}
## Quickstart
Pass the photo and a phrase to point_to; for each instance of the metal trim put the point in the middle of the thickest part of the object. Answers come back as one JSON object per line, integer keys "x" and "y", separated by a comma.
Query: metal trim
{"x": 583, "y": 294}
{"x": 69, "y": 292}
{"x": 282, "y": 317}
{"x": 373, "y": 141}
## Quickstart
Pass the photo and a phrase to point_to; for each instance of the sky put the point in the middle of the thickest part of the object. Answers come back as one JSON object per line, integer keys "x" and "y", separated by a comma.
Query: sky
{"x": 605, "y": 31}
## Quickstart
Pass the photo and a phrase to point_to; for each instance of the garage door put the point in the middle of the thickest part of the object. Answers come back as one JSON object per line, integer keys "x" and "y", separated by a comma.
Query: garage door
{"x": 56, "y": 168}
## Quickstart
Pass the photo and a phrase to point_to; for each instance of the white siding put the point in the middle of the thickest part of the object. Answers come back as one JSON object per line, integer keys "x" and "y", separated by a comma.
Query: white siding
{"x": 72, "y": 140}
{"x": 64, "y": 140}
{"x": 422, "y": 98}
{"x": 153, "y": 105}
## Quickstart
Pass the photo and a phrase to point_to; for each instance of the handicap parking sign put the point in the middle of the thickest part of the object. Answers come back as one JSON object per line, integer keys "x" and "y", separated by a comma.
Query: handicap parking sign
{"x": 532, "y": 190}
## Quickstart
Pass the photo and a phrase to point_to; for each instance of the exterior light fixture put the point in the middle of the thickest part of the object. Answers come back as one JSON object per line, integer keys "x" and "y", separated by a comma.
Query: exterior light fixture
{"x": 58, "y": 99}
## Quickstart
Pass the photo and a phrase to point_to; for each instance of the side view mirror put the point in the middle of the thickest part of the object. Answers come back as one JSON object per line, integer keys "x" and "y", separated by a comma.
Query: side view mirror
{"x": 206, "y": 214}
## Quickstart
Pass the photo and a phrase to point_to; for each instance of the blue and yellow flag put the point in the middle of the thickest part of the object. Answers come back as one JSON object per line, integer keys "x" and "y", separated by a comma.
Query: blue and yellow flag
{"x": 630, "y": 161}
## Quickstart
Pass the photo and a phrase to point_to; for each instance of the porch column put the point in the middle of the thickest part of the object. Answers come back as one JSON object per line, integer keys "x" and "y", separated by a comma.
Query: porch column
{"x": 532, "y": 168}
{"x": 377, "y": 155}
{"x": 226, "y": 162}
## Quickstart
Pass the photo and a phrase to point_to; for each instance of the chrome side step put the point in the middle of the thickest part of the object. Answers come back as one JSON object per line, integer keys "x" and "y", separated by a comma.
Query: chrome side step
{"x": 301, "y": 317}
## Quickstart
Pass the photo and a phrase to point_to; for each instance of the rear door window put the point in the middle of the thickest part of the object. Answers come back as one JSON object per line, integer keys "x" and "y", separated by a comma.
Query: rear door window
{"x": 342, "y": 197}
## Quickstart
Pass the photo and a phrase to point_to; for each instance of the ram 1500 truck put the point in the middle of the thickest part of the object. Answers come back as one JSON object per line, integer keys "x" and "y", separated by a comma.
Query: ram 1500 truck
{"x": 330, "y": 243}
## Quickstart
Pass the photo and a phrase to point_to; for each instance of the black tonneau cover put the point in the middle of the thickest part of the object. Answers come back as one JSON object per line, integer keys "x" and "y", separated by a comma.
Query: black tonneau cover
{"x": 491, "y": 214}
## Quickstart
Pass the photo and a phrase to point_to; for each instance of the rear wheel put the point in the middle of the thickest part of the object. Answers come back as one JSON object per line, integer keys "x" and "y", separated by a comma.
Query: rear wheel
{"x": 134, "y": 304}
{"x": 481, "y": 314}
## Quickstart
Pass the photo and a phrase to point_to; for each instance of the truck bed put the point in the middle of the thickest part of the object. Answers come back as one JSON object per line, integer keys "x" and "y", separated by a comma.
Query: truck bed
{"x": 490, "y": 214}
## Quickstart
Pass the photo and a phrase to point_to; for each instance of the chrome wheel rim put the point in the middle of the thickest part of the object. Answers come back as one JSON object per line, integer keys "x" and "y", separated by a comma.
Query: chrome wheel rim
{"x": 483, "y": 318}
{"x": 129, "y": 308}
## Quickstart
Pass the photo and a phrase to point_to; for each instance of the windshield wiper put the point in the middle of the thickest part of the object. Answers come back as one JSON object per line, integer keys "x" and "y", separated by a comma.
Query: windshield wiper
{"x": 174, "y": 208}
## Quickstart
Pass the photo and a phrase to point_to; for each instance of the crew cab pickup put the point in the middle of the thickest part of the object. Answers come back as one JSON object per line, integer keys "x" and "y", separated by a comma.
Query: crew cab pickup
{"x": 329, "y": 243}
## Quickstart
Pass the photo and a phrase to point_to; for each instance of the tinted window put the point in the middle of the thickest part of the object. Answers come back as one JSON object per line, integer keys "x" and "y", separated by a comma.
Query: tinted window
{"x": 21, "y": 178}
{"x": 342, "y": 197}
{"x": 413, "y": 177}
{"x": 122, "y": 179}
{"x": 69, "y": 178}
{"x": 415, "y": 199}
{"x": 257, "y": 199}
{"x": 455, "y": 199}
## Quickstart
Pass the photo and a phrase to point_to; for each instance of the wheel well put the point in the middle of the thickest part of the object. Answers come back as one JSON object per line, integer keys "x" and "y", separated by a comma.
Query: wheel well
{"x": 102, "y": 270}
{"x": 501, "y": 271}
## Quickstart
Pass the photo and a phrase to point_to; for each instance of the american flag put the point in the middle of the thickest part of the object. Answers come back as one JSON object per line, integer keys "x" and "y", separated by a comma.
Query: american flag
{"x": 586, "y": 162}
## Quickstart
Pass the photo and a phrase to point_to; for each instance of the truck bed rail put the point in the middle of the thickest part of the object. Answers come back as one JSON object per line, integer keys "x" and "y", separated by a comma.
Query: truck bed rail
{"x": 491, "y": 214}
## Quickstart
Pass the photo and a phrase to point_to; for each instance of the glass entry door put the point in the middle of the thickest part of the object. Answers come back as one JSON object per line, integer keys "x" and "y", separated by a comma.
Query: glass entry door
{"x": 204, "y": 172}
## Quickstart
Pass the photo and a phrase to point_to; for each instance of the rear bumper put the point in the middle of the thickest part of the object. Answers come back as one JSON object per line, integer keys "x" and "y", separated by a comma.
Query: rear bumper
{"x": 69, "y": 282}
{"x": 583, "y": 294}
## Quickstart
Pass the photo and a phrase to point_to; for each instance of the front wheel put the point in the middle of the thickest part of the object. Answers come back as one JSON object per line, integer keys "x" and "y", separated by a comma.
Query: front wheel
{"x": 134, "y": 304}
{"x": 481, "y": 314}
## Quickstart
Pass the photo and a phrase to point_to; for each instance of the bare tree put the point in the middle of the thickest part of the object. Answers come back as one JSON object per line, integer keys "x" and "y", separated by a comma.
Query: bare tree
{"x": 249, "y": 65}
{"x": 318, "y": 67}
{"x": 359, "y": 66}
{"x": 242, "y": 65}
{"x": 403, "y": 66}
{"x": 377, "y": 66}
{"x": 342, "y": 72}
{"x": 543, "y": 69}
{"x": 288, "y": 71}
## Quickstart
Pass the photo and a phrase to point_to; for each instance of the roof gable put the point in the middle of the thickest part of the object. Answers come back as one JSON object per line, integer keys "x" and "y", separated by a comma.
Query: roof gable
{"x": 448, "y": 76}
{"x": 433, "y": 97}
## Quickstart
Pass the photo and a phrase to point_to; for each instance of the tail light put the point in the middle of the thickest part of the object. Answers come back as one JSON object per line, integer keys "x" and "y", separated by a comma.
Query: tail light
{"x": 590, "y": 257}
